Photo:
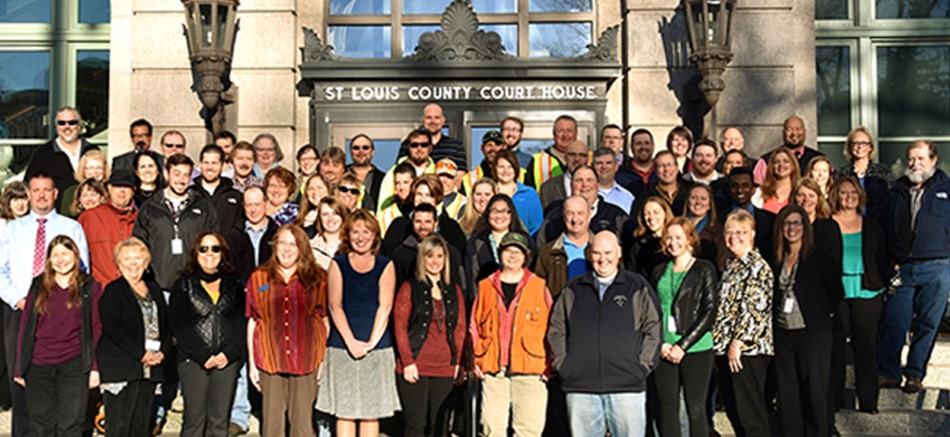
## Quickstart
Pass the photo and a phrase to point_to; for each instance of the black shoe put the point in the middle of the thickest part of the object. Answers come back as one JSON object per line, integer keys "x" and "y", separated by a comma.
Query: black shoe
{"x": 885, "y": 382}
{"x": 913, "y": 384}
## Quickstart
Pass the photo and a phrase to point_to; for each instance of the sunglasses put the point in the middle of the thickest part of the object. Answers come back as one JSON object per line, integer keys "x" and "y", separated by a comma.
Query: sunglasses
{"x": 363, "y": 147}
{"x": 67, "y": 122}
{"x": 418, "y": 145}
{"x": 174, "y": 146}
{"x": 348, "y": 190}
{"x": 205, "y": 249}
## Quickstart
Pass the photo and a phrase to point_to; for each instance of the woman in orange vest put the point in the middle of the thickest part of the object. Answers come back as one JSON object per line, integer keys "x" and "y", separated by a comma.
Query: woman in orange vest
{"x": 509, "y": 322}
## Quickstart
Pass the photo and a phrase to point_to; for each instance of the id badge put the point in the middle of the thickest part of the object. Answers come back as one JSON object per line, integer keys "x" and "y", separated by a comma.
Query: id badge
{"x": 789, "y": 305}
{"x": 671, "y": 324}
{"x": 153, "y": 345}
{"x": 177, "y": 247}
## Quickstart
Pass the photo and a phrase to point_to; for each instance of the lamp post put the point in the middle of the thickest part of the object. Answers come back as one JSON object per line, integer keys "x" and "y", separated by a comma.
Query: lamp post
{"x": 710, "y": 27}
{"x": 210, "y": 27}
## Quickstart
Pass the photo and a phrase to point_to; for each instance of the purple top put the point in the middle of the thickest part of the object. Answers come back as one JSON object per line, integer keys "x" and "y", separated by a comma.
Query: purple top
{"x": 59, "y": 331}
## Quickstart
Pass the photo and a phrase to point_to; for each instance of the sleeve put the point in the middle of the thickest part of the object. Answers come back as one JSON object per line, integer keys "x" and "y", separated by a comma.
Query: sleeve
{"x": 254, "y": 285}
{"x": 110, "y": 315}
{"x": 755, "y": 307}
{"x": 6, "y": 270}
{"x": 142, "y": 227}
{"x": 557, "y": 327}
{"x": 183, "y": 323}
{"x": 401, "y": 310}
{"x": 96, "y": 322}
{"x": 533, "y": 216}
{"x": 708, "y": 305}
{"x": 386, "y": 193}
{"x": 830, "y": 274}
{"x": 461, "y": 326}
{"x": 80, "y": 237}
{"x": 17, "y": 371}
{"x": 649, "y": 320}
{"x": 234, "y": 349}
{"x": 758, "y": 173}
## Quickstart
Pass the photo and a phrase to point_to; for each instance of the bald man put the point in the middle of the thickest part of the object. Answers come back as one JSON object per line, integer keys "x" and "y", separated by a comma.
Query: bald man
{"x": 433, "y": 120}
{"x": 793, "y": 138}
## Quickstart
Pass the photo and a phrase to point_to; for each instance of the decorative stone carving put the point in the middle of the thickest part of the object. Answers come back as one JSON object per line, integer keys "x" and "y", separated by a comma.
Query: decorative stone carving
{"x": 459, "y": 40}
{"x": 606, "y": 47}
{"x": 314, "y": 50}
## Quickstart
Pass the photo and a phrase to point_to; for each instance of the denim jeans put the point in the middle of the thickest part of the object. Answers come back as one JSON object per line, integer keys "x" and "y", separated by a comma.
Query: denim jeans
{"x": 623, "y": 414}
{"x": 241, "y": 407}
{"x": 923, "y": 293}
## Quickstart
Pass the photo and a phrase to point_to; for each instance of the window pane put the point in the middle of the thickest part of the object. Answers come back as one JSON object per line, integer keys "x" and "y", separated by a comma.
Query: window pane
{"x": 913, "y": 90}
{"x": 94, "y": 11}
{"x": 25, "y": 11}
{"x": 911, "y": 9}
{"x": 831, "y": 9}
{"x": 894, "y": 151}
{"x": 495, "y": 6}
{"x": 834, "y": 151}
{"x": 834, "y": 90}
{"x": 508, "y": 33}
{"x": 360, "y": 7}
{"x": 361, "y": 41}
{"x": 424, "y": 6}
{"x": 559, "y": 6}
{"x": 411, "y": 34}
{"x": 558, "y": 40}
{"x": 92, "y": 91}
{"x": 24, "y": 94}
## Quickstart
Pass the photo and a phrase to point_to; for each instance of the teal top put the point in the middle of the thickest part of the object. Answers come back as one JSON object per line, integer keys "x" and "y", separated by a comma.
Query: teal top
{"x": 667, "y": 288}
{"x": 852, "y": 267}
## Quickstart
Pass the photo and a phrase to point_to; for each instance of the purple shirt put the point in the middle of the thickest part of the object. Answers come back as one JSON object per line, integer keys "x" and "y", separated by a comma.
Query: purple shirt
{"x": 59, "y": 331}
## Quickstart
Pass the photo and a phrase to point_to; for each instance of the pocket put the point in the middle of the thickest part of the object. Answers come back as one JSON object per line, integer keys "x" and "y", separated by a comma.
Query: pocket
{"x": 534, "y": 346}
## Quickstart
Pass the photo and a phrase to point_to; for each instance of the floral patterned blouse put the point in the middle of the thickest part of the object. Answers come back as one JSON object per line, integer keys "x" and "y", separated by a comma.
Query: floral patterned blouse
{"x": 745, "y": 306}
{"x": 286, "y": 214}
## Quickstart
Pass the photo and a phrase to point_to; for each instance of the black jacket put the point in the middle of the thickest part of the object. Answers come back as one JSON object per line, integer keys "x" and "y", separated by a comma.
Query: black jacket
{"x": 203, "y": 328}
{"x": 122, "y": 344}
{"x": 608, "y": 216}
{"x": 401, "y": 228}
{"x": 929, "y": 238}
{"x": 679, "y": 202}
{"x": 228, "y": 203}
{"x": 644, "y": 254}
{"x": 421, "y": 314}
{"x": 404, "y": 260}
{"x": 50, "y": 159}
{"x": 242, "y": 251}
{"x": 877, "y": 271}
{"x": 25, "y": 356}
{"x": 373, "y": 181}
{"x": 695, "y": 303}
{"x": 817, "y": 287}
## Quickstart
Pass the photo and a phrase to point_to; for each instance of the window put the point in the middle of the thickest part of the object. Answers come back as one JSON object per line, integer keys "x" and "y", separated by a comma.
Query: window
{"x": 391, "y": 28}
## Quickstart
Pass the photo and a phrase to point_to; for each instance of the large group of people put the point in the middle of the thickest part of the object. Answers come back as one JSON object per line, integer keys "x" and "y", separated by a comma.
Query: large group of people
{"x": 574, "y": 291}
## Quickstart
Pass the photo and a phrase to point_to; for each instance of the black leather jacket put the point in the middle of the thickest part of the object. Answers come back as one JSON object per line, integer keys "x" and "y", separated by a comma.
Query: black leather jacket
{"x": 695, "y": 304}
{"x": 203, "y": 328}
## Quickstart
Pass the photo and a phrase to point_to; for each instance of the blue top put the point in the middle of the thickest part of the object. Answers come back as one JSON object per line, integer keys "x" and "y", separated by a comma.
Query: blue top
{"x": 576, "y": 261}
{"x": 360, "y": 301}
{"x": 852, "y": 268}
{"x": 528, "y": 205}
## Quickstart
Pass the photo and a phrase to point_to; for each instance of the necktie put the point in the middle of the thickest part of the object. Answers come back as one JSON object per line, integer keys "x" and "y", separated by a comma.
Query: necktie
{"x": 39, "y": 250}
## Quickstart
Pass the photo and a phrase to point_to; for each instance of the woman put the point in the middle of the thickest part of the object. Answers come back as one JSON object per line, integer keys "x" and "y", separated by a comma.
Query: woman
{"x": 58, "y": 335}
{"x": 207, "y": 319}
{"x": 350, "y": 191}
{"x": 325, "y": 235}
{"x": 807, "y": 194}
{"x": 646, "y": 252}
{"x": 14, "y": 203}
{"x": 820, "y": 170}
{"x": 92, "y": 165}
{"x": 807, "y": 293}
{"x": 482, "y": 190}
{"x": 425, "y": 189}
{"x": 480, "y": 257}
{"x": 360, "y": 386}
{"x": 280, "y": 184}
{"x": 316, "y": 188}
{"x": 701, "y": 212}
{"x": 875, "y": 178}
{"x": 149, "y": 176}
{"x": 505, "y": 171}
{"x": 511, "y": 365}
{"x": 687, "y": 290}
{"x": 781, "y": 175}
{"x": 269, "y": 155}
{"x": 742, "y": 332}
{"x": 680, "y": 142}
{"x": 308, "y": 158}
{"x": 135, "y": 340}
{"x": 864, "y": 270}
{"x": 288, "y": 290}
{"x": 89, "y": 194}
{"x": 429, "y": 321}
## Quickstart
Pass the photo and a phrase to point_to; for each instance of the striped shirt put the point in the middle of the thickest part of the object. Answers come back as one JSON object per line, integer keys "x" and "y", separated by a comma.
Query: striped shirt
{"x": 290, "y": 337}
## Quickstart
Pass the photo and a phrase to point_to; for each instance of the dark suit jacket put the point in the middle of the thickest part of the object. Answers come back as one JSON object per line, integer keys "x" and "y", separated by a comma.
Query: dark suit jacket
{"x": 818, "y": 289}
{"x": 122, "y": 344}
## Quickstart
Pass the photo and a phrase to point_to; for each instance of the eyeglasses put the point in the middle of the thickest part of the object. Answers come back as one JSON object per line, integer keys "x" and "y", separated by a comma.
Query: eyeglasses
{"x": 174, "y": 146}
{"x": 348, "y": 190}
{"x": 363, "y": 147}
{"x": 793, "y": 224}
{"x": 861, "y": 144}
{"x": 67, "y": 122}
{"x": 418, "y": 145}
{"x": 205, "y": 249}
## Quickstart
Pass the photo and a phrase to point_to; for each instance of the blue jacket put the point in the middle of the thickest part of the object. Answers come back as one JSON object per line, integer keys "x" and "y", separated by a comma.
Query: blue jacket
{"x": 528, "y": 204}
{"x": 931, "y": 235}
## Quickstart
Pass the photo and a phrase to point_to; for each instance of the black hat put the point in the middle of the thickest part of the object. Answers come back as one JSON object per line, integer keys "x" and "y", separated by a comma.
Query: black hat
{"x": 122, "y": 178}
{"x": 493, "y": 136}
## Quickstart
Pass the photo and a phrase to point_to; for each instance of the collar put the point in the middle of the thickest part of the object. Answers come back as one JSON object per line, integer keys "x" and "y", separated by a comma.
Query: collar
{"x": 32, "y": 216}
{"x": 248, "y": 228}
{"x": 564, "y": 241}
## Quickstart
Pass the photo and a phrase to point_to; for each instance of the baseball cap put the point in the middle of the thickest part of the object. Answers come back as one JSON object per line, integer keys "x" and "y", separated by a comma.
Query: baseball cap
{"x": 514, "y": 239}
{"x": 493, "y": 136}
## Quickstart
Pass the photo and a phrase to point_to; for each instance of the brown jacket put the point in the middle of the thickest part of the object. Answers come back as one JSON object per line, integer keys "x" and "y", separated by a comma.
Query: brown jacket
{"x": 551, "y": 264}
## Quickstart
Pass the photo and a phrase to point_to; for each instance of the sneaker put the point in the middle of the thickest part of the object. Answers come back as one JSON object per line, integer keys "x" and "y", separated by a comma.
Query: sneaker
{"x": 913, "y": 384}
{"x": 235, "y": 429}
{"x": 885, "y": 382}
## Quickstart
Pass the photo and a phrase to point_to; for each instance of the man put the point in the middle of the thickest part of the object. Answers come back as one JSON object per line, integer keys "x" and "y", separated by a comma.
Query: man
{"x": 433, "y": 120}
{"x": 332, "y": 165}
{"x": 23, "y": 247}
{"x": 558, "y": 187}
{"x": 243, "y": 158}
{"x": 398, "y": 204}
{"x": 611, "y": 137}
{"x": 793, "y": 136}
{"x": 419, "y": 143}
{"x": 492, "y": 143}
{"x": 512, "y": 128}
{"x": 638, "y": 174}
{"x": 59, "y": 157}
{"x": 549, "y": 162}
{"x": 668, "y": 186}
{"x": 226, "y": 141}
{"x": 730, "y": 160}
{"x": 704, "y": 163}
{"x": 606, "y": 167}
{"x": 611, "y": 316}
{"x": 224, "y": 198}
{"x": 732, "y": 139}
{"x": 603, "y": 215}
{"x": 425, "y": 220}
{"x": 741, "y": 188}
{"x": 563, "y": 259}
{"x": 453, "y": 202}
{"x": 108, "y": 224}
{"x": 173, "y": 142}
{"x": 918, "y": 231}
{"x": 141, "y": 132}
{"x": 362, "y": 150}
{"x": 251, "y": 245}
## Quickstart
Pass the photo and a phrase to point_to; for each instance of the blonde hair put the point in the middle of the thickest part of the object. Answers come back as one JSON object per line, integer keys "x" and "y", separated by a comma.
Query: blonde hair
{"x": 94, "y": 154}
{"x": 131, "y": 243}
{"x": 822, "y": 210}
{"x": 428, "y": 244}
{"x": 469, "y": 216}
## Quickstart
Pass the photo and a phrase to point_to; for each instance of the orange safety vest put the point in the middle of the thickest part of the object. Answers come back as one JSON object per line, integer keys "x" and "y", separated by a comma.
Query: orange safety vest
{"x": 528, "y": 354}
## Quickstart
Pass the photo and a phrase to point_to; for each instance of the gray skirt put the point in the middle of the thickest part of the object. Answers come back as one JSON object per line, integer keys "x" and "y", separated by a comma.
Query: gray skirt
{"x": 359, "y": 389}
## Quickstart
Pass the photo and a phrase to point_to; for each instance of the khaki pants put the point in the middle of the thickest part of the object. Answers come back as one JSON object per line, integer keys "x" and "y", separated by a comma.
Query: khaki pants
{"x": 289, "y": 394}
{"x": 526, "y": 395}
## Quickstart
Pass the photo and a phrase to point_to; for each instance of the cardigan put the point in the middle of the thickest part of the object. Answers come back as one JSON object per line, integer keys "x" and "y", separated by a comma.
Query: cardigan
{"x": 122, "y": 345}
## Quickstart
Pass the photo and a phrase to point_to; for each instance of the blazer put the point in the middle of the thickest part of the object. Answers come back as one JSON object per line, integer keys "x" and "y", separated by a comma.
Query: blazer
{"x": 817, "y": 288}
{"x": 695, "y": 304}
{"x": 122, "y": 344}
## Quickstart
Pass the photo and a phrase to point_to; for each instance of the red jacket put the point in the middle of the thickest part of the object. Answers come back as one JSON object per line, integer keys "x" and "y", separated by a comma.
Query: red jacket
{"x": 106, "y": 225}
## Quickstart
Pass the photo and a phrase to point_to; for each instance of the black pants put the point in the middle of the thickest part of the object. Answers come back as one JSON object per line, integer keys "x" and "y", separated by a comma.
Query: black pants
{"x": 859, "y": 319}
{"x": 208, "y": 397}
{"x": 692, "y": 374}
{"x": 129, "y": 413}
{"x": 11, "y": 330}
{"x": 425, "y": 403}
{"x": 556, "y": 423}
{"x": 802, "y": 360}
{"x": 744, "y": 395}
{"x": 56, "y": 397}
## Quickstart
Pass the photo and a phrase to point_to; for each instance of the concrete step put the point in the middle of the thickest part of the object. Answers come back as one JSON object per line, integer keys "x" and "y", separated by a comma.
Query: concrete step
{"x": 896, "y": 421}
{"x": 927, "y": 399}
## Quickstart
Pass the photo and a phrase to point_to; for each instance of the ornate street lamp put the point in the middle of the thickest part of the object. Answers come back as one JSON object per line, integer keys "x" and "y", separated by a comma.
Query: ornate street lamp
{"x": 210, "y": 27}
{"x": 710, "y": 26}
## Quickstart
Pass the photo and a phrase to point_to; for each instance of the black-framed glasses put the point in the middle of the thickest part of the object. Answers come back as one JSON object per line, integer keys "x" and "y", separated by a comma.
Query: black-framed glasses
{"x": 67, "y": 122}
{"x": 348, "y": 190}
{"x": 205, "y": 249}
{"x": 174, "y": 146}
{"x": 418, "y": 145}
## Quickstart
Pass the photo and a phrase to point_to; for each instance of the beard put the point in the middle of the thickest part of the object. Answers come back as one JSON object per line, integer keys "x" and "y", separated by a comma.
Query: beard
{"x": 916, "y": 178}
